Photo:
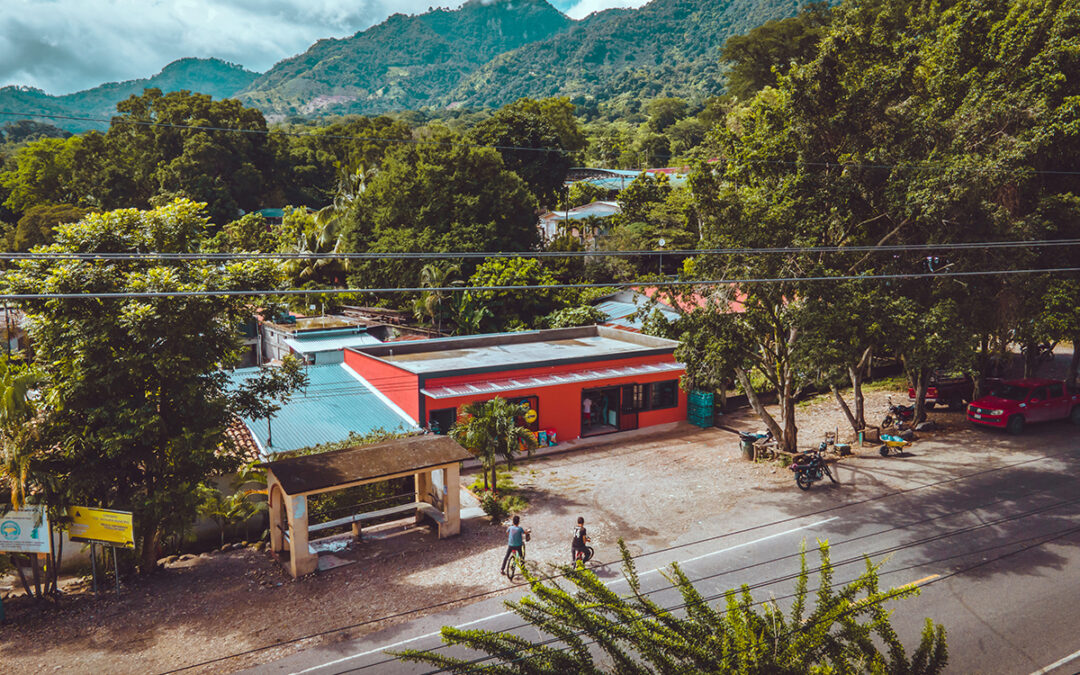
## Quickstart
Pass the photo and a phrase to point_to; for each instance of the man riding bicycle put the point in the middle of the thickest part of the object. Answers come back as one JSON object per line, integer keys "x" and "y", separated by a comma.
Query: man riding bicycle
{"x": 578, "y": 546}
{"x": 515, "y": 541}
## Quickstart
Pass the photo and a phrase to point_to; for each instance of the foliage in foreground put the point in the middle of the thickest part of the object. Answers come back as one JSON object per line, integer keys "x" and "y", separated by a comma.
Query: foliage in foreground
{"x": 841, "y": 634}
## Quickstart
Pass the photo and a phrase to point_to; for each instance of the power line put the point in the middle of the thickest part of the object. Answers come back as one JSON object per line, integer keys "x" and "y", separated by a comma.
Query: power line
{"x": 841, "y": 563}
{"x": 527, "y": 287}
{"x": 441, "y": 255}
{"x": 856, "y": 607}
{"x": 483, "y": 594}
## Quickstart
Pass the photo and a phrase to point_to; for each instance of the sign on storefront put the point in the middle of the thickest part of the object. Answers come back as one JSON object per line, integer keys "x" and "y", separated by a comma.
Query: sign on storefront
{"x": 25, "y": 530}
{"x": 102, "y": 526}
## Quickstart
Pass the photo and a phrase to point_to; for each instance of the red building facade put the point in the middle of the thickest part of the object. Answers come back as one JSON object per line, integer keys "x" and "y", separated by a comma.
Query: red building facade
{"x": 628, "y": 380}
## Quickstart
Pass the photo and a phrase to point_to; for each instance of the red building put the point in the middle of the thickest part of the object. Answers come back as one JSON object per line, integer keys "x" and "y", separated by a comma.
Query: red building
{"x": 623, "y": 380}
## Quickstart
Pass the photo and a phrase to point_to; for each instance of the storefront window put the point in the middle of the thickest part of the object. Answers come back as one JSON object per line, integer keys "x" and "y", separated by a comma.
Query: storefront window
{"x": 663, "y": 394}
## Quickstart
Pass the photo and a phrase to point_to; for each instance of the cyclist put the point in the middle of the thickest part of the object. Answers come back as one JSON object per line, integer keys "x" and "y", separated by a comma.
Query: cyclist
{"x": 515, "y": 541}
{"x": 577, "y": 544}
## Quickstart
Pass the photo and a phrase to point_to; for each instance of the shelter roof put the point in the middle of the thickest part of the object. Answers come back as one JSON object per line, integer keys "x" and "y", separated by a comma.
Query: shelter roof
{"x": 336, "y": 403}
{"x": 323, "y": 471}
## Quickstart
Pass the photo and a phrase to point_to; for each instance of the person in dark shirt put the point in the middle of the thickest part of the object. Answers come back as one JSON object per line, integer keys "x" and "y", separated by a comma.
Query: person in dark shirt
{"x": 577, "y": 544}
{"x": 515, "y": 541}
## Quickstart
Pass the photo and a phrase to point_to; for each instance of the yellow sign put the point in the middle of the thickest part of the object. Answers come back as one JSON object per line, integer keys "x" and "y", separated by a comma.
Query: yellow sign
{"x": 530, "y": 416}
{"x": 102, "y": 526}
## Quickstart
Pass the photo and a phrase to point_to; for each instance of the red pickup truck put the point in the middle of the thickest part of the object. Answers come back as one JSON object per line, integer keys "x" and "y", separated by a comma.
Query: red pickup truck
{"x": 1012, "y": 404}
{"x": 948, "y": 389}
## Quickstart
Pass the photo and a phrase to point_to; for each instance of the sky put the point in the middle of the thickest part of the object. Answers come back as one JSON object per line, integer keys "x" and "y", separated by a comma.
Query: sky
{"x": 62, "y": 46}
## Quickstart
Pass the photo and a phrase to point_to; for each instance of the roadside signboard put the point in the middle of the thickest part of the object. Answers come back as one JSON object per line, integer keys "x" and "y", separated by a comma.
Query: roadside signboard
{"x": 101, "y": 526}
{"x": 25, "y": 530}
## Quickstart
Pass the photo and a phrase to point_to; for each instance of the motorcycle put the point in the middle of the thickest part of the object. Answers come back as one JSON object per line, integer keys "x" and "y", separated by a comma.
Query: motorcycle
{"x": 897, "y": 414}
{"x": 810, "y": 467}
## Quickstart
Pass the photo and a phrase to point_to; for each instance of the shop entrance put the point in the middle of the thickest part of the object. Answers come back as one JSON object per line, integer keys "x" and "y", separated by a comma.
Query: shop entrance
{"x": 600, "y": 411}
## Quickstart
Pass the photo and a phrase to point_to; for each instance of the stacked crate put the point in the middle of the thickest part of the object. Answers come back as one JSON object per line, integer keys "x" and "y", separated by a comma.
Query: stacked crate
{"x": 699, "y": 408}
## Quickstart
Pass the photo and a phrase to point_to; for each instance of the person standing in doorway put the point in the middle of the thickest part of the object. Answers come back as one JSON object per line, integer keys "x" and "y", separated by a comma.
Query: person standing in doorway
{"x": 586, "y": 411}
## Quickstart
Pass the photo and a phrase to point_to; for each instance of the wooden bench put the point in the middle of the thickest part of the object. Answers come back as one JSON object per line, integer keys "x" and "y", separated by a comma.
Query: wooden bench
{"x": 357, "y": 518}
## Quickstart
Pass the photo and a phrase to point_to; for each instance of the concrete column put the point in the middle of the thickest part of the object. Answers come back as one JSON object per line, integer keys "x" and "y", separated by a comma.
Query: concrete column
{"x": 451, "y": 500}
{"x": 301, "y": 560}
{"x": 423, "y": 490}
{"x": 274, "y": 503}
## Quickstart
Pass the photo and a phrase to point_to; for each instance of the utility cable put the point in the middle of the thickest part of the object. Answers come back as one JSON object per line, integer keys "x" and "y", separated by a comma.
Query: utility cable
{"x": 527, "y": 287}
{"x": 841, "y": 563}
{"x": 753, "y": 528}
{"x": 442, "y": 255}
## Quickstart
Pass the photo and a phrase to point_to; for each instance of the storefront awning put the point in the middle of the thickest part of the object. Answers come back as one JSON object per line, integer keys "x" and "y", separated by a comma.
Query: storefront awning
{"x": 519, "y": 383}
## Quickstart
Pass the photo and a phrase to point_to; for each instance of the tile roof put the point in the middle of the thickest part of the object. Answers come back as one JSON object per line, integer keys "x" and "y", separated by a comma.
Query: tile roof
{"x": 335, "y": 403}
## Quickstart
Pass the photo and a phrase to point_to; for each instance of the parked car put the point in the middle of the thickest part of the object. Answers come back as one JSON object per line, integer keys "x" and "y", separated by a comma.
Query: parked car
{"x": 948, "y": 389}
{"x": 1012, "y": 404}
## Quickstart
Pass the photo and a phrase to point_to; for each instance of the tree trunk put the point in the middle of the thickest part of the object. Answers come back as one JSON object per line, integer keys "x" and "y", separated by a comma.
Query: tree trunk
{"x": 56, "y": 563}
{"x": 1074, "y": 364}
{"x": 150, "y": 538}
{"x": 35, "y": 561}
{"x": 22, "y": 577}
{"x": 755, "y": 403}
{"x": 787, "y": 403}
{"x": 844, "y": 406}
{"x": 857, "y": 375}
{"x": 922, "y": 381}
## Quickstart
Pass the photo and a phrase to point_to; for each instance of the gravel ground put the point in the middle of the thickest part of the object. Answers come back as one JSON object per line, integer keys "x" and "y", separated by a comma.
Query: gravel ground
{"x": 649, "y": 490}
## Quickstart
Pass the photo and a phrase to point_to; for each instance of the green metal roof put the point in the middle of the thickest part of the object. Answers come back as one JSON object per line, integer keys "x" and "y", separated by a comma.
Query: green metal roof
{"x": 334, "y": 404}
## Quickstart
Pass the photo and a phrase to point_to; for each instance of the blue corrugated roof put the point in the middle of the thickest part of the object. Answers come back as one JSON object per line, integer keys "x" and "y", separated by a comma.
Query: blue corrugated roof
{"x": 334, "y": 404}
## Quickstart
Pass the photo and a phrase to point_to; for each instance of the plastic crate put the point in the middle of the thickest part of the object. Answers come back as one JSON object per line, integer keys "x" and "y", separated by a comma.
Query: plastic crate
{"x": 703, "y": 399}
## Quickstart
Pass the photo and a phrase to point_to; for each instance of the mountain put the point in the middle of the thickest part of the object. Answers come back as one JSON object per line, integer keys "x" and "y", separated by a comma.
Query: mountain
{"x": 406, "y": 62}
{"x": 215, "y": 77}
{"x": 667, "y": 47}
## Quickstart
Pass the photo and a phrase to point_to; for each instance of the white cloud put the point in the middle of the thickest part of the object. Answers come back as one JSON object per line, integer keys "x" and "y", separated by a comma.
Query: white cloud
{"x": 67, "y": 45}
{"x": 584, "y": 8}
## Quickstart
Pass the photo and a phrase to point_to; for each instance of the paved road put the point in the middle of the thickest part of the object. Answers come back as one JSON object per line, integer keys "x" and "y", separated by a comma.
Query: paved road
{"x": 990, "y": 524}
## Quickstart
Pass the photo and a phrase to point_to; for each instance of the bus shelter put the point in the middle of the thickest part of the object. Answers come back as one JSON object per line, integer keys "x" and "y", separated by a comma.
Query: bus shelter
{"x": 433, "y": 462}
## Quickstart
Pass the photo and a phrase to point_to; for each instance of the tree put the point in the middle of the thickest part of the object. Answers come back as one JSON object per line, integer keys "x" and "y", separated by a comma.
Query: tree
{"x": 514, "y": 309}
{"x": 35, "y": 228}
{"x": 490, "y": 430}
{"x": 664, "y": 112}
{"x": 440, "y": 195}
{"x": 530, "y": 146}
{"x": 847, "y": 631}
{"x": 17, "y": 410}
{"x": 44, "y": 172}
{"x": 224, "y": 510}
{"x": 138, "y": 400}
{"x": 430, "y": 303}
{"x": 767, "y": 52}
{"x": 568, "y": 317}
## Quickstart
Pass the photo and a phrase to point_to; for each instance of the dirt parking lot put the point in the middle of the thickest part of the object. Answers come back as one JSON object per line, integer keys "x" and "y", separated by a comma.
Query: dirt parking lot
{"x": 652, "y": 490}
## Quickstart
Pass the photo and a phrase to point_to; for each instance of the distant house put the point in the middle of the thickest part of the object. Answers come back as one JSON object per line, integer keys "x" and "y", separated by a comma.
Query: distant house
{"x": 316, "y": 340}
{"x": 550, "y": 220}
{"x": 628, "y": 309}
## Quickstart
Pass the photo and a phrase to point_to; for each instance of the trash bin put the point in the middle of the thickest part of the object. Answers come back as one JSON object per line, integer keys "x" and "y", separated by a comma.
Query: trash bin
{"x": 747, "y": 447}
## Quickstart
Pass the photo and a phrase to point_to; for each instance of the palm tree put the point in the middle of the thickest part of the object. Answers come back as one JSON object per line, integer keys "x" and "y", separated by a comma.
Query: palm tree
{"x": 469, "y": 314}
{"x": 16, "y": 435}
{"x": 490, "y": 431}
{"x": 429, "y": 304}
{"x": 349, "y": 190}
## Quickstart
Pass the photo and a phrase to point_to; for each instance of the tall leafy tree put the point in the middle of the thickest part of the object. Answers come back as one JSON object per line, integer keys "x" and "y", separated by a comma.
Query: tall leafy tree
{"x": 138, "y": 400}
{"x": 440, "y": 195}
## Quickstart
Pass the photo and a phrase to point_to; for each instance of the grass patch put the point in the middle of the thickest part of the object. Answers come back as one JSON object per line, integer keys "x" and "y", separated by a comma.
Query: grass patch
{"x": 895, "y": 383}
{"x": 819, "y": 398}
{"x": 504, "y": 481}
{"x": 505, "y": 500}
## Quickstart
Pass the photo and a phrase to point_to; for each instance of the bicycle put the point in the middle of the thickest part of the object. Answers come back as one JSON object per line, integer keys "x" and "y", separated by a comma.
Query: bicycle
{"x": 583, "y": 554}
{"x": 516, "y": 559}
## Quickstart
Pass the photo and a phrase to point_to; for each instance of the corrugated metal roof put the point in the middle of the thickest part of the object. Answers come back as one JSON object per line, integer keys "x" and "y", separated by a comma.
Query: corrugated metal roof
{"x": 329, "y": 343}
{"x": 520, "y": 383}
{"x": 335, "y": 403}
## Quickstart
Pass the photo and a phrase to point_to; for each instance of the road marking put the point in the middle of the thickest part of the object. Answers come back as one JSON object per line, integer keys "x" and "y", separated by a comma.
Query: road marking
{"x": 1057, "y": 664}
{"x": 606, "y": 583}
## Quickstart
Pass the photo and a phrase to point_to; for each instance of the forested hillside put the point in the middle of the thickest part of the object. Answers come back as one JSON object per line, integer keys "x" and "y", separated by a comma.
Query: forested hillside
{"x": 668, "y": 47}
{"x": 403, "y": 63}
{"x": 206, "y": 76}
